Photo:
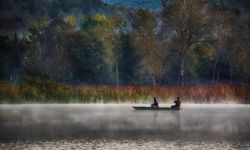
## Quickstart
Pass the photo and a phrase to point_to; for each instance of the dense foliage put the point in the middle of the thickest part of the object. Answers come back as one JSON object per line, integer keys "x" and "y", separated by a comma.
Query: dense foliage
{"x": 92, "y": 43}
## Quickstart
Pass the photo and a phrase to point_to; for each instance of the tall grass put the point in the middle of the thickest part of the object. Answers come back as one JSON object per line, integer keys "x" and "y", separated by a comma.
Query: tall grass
{"x": 45, "y": 91}
{"x": 37, "y": 90}
{"x": 9, "y": 93}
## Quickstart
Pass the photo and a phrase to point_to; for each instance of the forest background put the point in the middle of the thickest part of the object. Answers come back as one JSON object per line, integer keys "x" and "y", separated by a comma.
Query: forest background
{"x": 64, "y": 51}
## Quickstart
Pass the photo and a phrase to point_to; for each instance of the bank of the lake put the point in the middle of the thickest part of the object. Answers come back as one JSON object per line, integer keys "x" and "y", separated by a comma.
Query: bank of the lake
{"x": 37, "y": 90}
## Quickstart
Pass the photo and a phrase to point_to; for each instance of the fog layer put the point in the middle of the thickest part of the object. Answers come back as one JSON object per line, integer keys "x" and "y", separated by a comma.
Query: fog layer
{"x": 193, "y": 122}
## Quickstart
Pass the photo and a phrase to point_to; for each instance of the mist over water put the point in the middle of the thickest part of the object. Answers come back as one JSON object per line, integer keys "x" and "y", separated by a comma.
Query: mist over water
{"x": 193, "y": 122}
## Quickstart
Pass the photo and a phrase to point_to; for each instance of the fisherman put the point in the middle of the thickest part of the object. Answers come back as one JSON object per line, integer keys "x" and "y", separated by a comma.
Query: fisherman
{"x": 155, "y": 104}
{"x": 177, "y": 103}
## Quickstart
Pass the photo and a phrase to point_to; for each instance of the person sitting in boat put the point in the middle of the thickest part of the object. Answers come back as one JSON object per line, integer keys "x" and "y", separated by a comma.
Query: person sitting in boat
{"x": 155, "y": 104}
{"x": 177, "y": 103}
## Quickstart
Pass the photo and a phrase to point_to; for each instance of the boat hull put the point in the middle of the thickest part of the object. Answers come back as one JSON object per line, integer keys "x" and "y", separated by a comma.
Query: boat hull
{"x": 155, "y": 109}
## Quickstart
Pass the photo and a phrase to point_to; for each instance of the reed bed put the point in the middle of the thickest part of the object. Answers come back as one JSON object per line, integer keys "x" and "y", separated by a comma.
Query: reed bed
{"x": 36, "y": 90}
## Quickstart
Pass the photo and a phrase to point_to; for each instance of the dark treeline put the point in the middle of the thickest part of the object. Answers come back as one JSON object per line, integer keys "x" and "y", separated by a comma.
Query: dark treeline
{"x": 89, "y": 42}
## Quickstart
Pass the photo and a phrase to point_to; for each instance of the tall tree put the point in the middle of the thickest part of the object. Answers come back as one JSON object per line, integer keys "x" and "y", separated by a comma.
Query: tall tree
{"x": 108, "y": 30}
{"x": 240, "y": 53}
{"x": 128, "y": 62}
{"x": 224, "y": 23}
{"x": 46, "y": 56}
{"x": 145, "y": 43}
{"x": 189, "y": 21}
{"x": 11, "y": 54}
{"x": 86, "y": 56}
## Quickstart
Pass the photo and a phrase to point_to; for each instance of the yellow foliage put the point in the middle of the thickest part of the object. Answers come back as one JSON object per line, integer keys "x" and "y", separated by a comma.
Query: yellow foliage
{"x": 71, "y": 20}
{"x": 100, "y": 17}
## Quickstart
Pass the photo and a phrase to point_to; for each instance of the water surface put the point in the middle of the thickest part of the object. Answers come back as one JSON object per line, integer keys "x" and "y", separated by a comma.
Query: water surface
{"x": 110, "y": 125}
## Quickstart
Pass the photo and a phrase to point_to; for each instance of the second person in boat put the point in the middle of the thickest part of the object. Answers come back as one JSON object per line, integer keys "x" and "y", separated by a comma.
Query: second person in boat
{"x": 155, "y": 103}
{"x": 177, "y": 103}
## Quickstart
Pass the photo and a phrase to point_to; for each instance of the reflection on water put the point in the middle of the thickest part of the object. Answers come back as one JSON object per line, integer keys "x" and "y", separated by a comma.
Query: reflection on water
{"x": 192, "y": 126}
{"x": 107, "y": 144}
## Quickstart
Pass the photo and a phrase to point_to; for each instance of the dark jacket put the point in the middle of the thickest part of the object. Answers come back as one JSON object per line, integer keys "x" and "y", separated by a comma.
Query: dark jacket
{"x": 177, "y": 103}
{"x": 156, "y": 103}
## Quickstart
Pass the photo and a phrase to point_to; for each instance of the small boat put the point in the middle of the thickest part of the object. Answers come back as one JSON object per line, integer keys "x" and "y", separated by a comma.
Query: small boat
{"x": 151, "y": 108}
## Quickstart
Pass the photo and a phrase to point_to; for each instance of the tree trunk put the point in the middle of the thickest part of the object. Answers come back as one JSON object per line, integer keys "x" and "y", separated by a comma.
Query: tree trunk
{"x": 117, "y": 75}
{"x": 182, "y": 73}
{"x": 231, "y": 74}
{"x": 154, "y": 84}
{"x": 153, "y": 79}
{"x": 214, "y": 70}
{"x": 181, "y": 65}
{"x": 218, "y": 77}
{"x": 180, "y": 80}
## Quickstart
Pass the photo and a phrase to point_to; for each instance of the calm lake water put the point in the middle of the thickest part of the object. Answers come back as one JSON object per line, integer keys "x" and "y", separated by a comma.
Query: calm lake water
{"x": 110, "y": 126}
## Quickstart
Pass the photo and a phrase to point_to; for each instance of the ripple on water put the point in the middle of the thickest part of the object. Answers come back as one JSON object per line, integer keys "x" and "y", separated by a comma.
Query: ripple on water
{"x": 195, "y": 127}
{"x": 104, "y": 144}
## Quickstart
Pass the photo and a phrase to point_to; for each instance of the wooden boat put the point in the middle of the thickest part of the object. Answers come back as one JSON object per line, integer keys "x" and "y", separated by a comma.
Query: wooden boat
{"x": 151, "y": 108}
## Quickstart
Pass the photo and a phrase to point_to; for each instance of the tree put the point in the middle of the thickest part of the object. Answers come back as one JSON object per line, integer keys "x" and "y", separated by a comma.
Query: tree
{"x": 204, "y": 56}
{"x": 145, "y": 43}
{"x": 240, "y": 52}
{"x": 46, "y": 56}
{"x": 128, "y": 61}
{"x": 188, "y": 19}
{"x": 224, "y": 23}
{"x": 60, "y": 52}
{"x": 33, "y": 58}
{"x": 86, "y": 56}
{"x": 108, "y": 30}
{"x": 12, "y": 51}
